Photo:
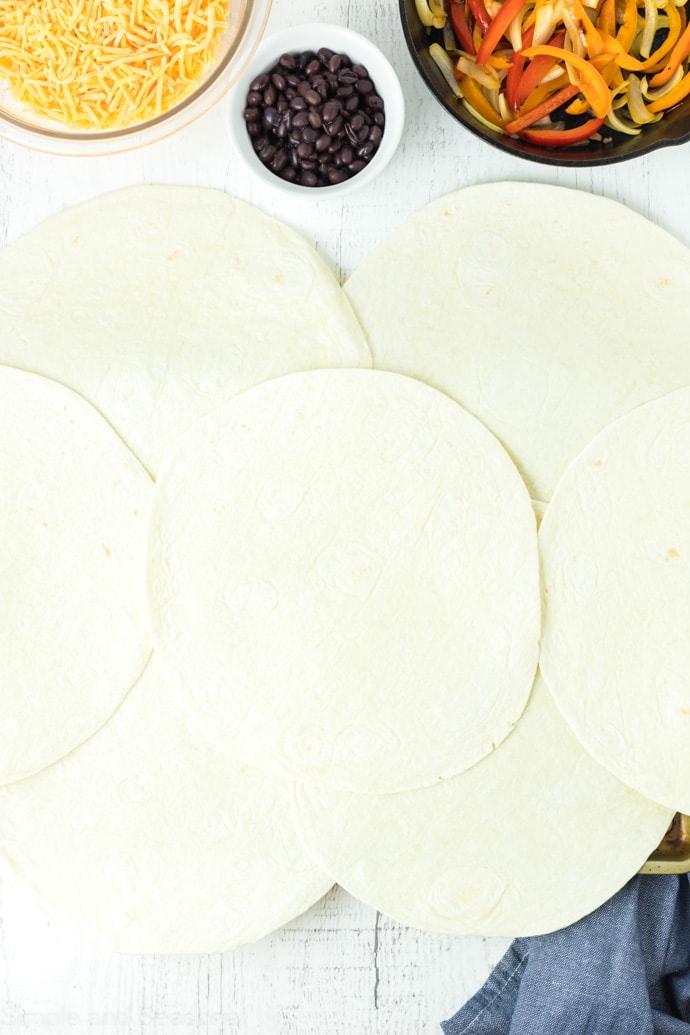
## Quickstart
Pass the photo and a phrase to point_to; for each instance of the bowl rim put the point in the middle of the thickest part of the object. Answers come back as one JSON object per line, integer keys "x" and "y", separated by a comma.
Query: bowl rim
{"x": 214, "y": 88}
{"x": 564, "y": 158}
{"x": 300, "y": 35}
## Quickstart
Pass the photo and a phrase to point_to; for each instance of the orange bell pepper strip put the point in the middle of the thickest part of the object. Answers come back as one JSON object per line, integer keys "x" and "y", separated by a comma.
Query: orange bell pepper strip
{"x": 499, "y": 25}
{"x": 563, "y": 137}
{"x": 556, "y": 100}
{"x": 589, "y": 80}
{"x": 673, "y": 97}
{"x": 542, "y": 92}
{"x": 461, "y": 28}
{"x": 537, "y": 69}
{"x": 476, "y": 99}
{"x": 678, "y": 56}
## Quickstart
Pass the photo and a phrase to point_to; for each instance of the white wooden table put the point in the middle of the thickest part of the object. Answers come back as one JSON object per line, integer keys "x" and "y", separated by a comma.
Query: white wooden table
{"x": 340, "y": 968}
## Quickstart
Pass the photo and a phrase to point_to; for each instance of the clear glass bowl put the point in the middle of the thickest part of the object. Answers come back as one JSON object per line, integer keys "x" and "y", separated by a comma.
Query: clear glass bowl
{"x": 246, "y": 23}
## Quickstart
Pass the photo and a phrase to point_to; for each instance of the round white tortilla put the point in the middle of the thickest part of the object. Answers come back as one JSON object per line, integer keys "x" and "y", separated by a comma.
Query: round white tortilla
{"x": 531, "y": 839}
{"x": 148, "y": 840}
{"x": 73, "y": 630}
{"x": 546, "y": 312}
{"x": 615, "y": 545}
{"x": 343, "y": 580}
{"x": 158, "y": 303}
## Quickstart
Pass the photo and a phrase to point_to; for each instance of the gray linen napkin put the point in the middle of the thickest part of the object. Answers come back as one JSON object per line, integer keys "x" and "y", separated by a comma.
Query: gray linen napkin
{"x": 622, "y": 970}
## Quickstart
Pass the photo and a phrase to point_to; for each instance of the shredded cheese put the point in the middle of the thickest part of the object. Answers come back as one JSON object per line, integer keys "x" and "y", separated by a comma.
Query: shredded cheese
{"x": 107, "y": 63}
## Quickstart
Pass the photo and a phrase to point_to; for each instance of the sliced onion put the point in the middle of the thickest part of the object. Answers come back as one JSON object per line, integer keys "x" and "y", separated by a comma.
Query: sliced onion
{"x": 651, "y": 17}
{"x": 446, "y": 67}
{"x": 427, "y": 16}
{"x": 478, "y": 117}
{"x": 636, "y": 105}
{"x": 661, "y": 91}
{"x": 482, "y": 74}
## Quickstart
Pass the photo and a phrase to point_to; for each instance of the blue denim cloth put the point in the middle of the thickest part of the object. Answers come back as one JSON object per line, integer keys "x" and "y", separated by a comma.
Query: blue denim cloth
{"x": 623, "y": 970}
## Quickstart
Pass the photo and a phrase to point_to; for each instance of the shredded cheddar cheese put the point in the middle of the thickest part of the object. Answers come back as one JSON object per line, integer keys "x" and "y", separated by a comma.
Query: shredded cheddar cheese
{"x": 107, "y": 63}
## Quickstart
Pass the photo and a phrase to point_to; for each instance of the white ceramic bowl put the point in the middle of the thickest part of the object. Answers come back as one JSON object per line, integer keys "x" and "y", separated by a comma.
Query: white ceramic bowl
{"x": 343, "y": 41}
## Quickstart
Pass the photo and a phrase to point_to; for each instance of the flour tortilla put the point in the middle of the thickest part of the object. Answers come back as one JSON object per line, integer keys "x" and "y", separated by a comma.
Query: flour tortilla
{"x": 546, "y": 312}
{"x": 615, "y": 545}
{"x": 343, "y": 580}
{"x": 148, "y": 840}
{"x": 73, "y": 631}
{"x": 158, "y": 303}
{"x": 531, "y": 839}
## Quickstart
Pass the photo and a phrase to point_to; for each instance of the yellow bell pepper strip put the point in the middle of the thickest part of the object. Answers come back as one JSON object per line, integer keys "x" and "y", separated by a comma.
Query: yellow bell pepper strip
{"x": 499, "y": 25}
{"x": 628, "y": 29}
{"x": 678, "y": 56}
{"x": 606, "y": 22}
{"x": 461, "y": 28}
{"x": 556, "y": 100}
{"x": 474, "y": 96}
{"x": 589, "y": 80}
{"x": 673, "y": 97}
{"x": 650, "y": 64}
{"x": 562, "y": 137}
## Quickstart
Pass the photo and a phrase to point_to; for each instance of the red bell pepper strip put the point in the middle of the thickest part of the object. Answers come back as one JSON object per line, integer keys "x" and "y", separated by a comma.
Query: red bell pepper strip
{"x": 499, "y": 25}
{"x": 480, "y": 14}
{"x": 461, "y": 27}
{"x": 537, "y": 69}
{"x": 515, "y": 71}
{"x": 545, "y": 108}
{"x": 562, "y": 137}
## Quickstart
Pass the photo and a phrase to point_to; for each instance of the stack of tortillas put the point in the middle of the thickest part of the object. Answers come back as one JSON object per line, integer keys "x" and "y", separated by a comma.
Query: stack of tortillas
{"x": 308, "y": 651}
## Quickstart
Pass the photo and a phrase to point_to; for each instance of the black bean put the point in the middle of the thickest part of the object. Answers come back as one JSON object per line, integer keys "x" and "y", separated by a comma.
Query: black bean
{"x": 374, "y": 102}
{"x": 375, "y": 135}
{"x": 344, "y": 91}
{"x": 295, "y": 136}
{"x": 312, "y": 68}
{"x": 270, "y": 96}
{"x": 280, "y": 160}
{"x": 312, "y": 97}
{"x": 356, "y": 166}
{"x": 304, "y": 149}
{"x": 323, "y": 142}
{"x": 253, "y": 128}
{"x": 254, "y": 97}
{"x": 357, "y": 121}
{"x": 309, "y": 165}
{"x": 331, "y": 110}
{"x": 298, "y": 104}
{"x": 348, "y": 78}
{"x": 364, "y": 86}
{"x": 301, "y": 119}
{"x": 352, "y": 103}
{"x": 279, "y": 81}
{"x": 337, "y": 176}
{"x": 260, "y": 83}
{"x": 310, "y": 134}
{"x": 314, "y": 119}
{"x": 293, "y": 80}
{"x": 351, "y": 134}
{"x": 289, "y": 173}
{"x": 272, "y": 116}
{"x": 252, "y": 114}
{"x": 363, "y": 135}
{"x": 267, "y": 153}
{"x": 379, "y": 119}
{"x": 282, "y": 105}
{"x": 347, "y": 155}
{"x": 288, "y": 61}
{"x": 366, "y": 151}
{"x": 308, "y": 179}
{"x": 335, "y": 63}
{"x": 334, "y": 127}
{"x": 324, "y": 55}
{"x": 360, "y": 71}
